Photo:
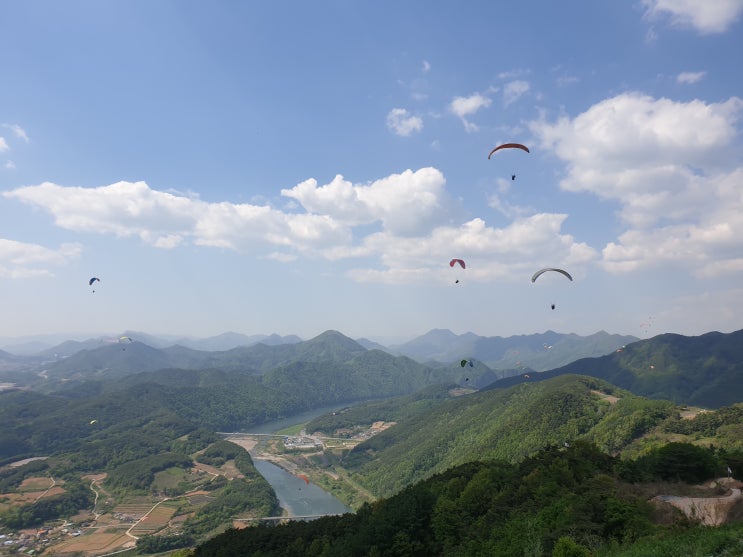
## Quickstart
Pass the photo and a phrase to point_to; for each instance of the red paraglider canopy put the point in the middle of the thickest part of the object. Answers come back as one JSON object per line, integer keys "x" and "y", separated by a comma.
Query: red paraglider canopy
{"x": 509, "y": 146}
{"x": 455, "y": 261}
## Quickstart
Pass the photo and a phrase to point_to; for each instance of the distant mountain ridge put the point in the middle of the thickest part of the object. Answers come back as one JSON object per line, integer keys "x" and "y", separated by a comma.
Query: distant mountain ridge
{"x": 539, "y": 351}
{"x": 704, "y": 370}
{"x": 495, "y": 357}
{"x": 115, "y": 360}
{"x": 51, "y": 346}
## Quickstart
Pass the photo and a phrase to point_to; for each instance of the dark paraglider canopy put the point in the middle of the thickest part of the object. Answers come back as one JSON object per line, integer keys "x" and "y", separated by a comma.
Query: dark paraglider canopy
{"x": 92, "y": 280}
{"x": 466, "y": 362}
{"x": 542, "y": 271}
{"x": 509, "y": 146}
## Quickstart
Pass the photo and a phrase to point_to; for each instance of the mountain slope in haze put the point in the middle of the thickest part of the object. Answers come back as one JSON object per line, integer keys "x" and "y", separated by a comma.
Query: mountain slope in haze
{"x": 540, "y": 352}
{"x": 217, "y": 399}
{"x": 230, "y": 340}
{"x": 705, "y": 370}
{"x": 114, "y": 360}
{"x": 440, "y": 345}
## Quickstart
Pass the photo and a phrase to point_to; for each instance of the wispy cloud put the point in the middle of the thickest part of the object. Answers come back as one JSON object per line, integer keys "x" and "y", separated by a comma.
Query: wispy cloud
{"x": 22, "y": 260}
{"x": 18, "y": 131}
{"x": 690, "y": 77}
{"x": 706, "y": 16}
{"x": 402, "y": 123}
{"x": 464, "y": 107}
{"x": 565, "y": 80}
{"x": 513, "y": 90}
{"x": 513, "y": 74}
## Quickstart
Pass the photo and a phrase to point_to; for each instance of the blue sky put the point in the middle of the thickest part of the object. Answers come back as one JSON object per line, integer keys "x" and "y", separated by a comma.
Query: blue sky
{"x": 294, "y": 167}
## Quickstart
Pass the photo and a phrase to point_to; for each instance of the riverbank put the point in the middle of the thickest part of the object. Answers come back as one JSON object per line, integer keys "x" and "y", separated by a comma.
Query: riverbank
{"x": 319, "y": 466}
{"x": 318, "y": 463}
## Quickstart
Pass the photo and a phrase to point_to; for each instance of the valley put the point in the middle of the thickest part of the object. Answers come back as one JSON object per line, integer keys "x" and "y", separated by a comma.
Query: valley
{"x": 131, "y": 459}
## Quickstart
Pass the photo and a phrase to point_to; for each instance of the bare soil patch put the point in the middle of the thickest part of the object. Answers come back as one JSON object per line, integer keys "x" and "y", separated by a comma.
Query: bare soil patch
{"x": 710, "y": 511}
{"x": 247, "y": 443}
{"x": 607, "y": 397}
{"x": 36, "y": 483}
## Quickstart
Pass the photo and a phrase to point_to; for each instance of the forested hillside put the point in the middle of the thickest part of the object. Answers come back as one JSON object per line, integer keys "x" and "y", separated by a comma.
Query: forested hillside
{"x": 501, "y": 424}
{"x": 705, "y": 370}
{"x": 574, "y": 501}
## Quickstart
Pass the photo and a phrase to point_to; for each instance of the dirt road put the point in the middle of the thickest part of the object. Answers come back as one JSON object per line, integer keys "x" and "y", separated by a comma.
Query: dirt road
{"x": 710, "y": 511}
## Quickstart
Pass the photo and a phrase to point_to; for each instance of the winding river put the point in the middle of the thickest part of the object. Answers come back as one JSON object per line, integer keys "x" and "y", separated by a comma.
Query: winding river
{"x": 296, "y": 496}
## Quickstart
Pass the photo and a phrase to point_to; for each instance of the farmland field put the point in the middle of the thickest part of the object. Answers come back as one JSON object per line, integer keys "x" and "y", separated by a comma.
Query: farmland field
{"x": 156, "y": 519}
{"x": 95, "y": 542}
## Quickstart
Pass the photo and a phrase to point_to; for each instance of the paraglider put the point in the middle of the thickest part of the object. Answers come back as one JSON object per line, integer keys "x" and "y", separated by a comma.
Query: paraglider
{"x": 540, "y": 272}
{"x": 465, "y": 362}
{"x": 125, "y": 340}
{"x": 92, "y": 280}
{"x": 93, "y": 422}
{"x": 509, "y": 146}
{"x": 305, "y": 478}
{"x": 461, "y": 264}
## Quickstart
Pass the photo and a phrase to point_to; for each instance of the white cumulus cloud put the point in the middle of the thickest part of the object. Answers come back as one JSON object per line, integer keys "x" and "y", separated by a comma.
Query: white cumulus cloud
{"x": 706, "y": 16}
{"x": 401, "y": 122}
{"x": 405, "y": 203}
{"x": 668, "y": 166}
{"x": 403, "y": 225}
{"x": 509, "y": 253}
